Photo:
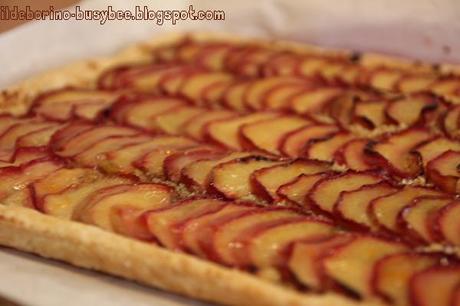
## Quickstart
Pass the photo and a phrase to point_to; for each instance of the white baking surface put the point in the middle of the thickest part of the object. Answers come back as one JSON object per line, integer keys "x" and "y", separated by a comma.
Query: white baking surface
{"x": 31, "y": 280}
{"x": 425, "y": 29}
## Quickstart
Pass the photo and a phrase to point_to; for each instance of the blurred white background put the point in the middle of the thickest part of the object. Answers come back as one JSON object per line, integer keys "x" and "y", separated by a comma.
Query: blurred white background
{"x": 423, "y": 29}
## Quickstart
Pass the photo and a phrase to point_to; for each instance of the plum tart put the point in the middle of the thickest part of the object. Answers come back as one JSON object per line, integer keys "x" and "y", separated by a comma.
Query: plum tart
{"x": 241, "y": 172}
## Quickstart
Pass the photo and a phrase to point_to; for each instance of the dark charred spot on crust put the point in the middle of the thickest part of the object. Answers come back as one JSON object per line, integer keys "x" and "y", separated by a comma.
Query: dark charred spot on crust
{"x": 355, "y": 56}
{"x": 436, "y": 66}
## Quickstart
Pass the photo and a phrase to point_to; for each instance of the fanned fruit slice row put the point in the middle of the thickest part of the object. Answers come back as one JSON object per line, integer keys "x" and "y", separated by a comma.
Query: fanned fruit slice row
{"x": 233, "y": 179}
{"x": 65, "y": 104}
{"x": 392, "y": 275}
{"x": 9, "y": 138}
{"x": 164, "y": 224}
{"x": 324, "y": 148}
{"x": 195, "y": 127}
{"x": 278, "y": 97}
{"x": 100, "y": 206}
{"x": 143, "y": 78}
{"x": 152, "y": 163}
{"x": 226, "y": 132}
{"x": 444, "y": 172}
{"x": 305, "y": 260}
{"x": 175, "y": 163}
{"x": 412, "y": 110}
{"x": 267, "y": 181}
{"x": 353, "y": 206}
{"x": 297, "y": 190}
{"x": 325, "y": 194}
{"x": 450, "y": 122}
{"x": 88, "y": 138}
{"x": 194, "y": 86}
{"x": 58, "y": 181}
{"x": 267, "y": 135}
{"x": 233, "y": 97}
{"x": 418, "y": 219}
{"x": 414, "y": 83}
{"x": 314, "y": 101}
{"x": 171, "y": 121}
{"x": 293, "y": 144}
{"x": 385, "y": 210}
{"x": 23, "y": 155}
{"x": 352, "y": 155}
{"x": 370, "y": 114}
{"x": 196, "y": 176}
{"x": 37, "y": 138}
{"x": 258, "y": 90}
{"x": 69, "y": 201}
{"x": 197, "y": 232}
{"x": 92, "y": 155}
{"x": 384, "y": 78}
{"x": 123, "y": 159}
{"x": 394, "y": 153}
{"x": 351, "y": 265}
{"x": 267, "y": 247}
{"x": 435, "y": 147}
{"x": 446, "y": 223}
{"x": 228, "y": 238}
{"x": 19, "y": 177}
{"x": 139, "y": 113}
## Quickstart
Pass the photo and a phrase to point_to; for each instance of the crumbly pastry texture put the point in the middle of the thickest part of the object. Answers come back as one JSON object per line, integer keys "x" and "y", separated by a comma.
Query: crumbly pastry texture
{"x": 362, "y": 154}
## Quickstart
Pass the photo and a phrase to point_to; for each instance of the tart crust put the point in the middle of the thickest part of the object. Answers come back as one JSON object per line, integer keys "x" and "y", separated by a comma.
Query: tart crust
{"x": 92, "y": 248}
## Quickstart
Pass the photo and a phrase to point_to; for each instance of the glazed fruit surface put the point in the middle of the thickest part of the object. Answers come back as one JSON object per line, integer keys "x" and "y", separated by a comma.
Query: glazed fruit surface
{"x": 313, "y": 171}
